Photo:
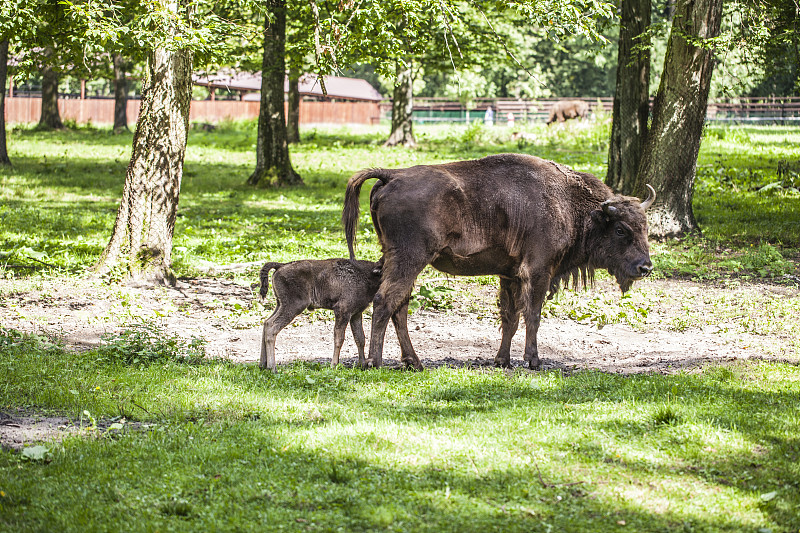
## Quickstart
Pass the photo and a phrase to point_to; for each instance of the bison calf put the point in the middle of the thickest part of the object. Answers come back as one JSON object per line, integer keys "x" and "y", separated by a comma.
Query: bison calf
{"x": 345, "y": 286}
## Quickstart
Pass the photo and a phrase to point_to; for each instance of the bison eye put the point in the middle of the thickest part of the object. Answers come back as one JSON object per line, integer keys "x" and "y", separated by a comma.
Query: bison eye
{"x": 620, "y": 232}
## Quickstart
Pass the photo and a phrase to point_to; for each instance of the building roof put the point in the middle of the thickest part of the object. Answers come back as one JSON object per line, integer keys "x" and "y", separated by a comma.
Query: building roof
{"x": 309, "y": 85}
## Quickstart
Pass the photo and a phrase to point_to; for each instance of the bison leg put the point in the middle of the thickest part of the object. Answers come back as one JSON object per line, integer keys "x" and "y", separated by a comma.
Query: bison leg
{"x": 357, "y": 327}
{"x": 339, "y": 328}
{"x": 278, "y": 320}
{"x": 509, "y": 298}
{"x": 533, "y": 294}
{"x": 398, "y": 281}
{"x": 408, "y": 356}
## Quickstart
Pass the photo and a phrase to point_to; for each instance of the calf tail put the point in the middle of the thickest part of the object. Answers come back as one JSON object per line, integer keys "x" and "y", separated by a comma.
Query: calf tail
{"x": 264, "y": 276}
{"x": 351, "y": 203}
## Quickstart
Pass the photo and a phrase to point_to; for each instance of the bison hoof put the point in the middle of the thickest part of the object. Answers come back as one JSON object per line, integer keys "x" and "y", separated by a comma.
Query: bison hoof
{"x": 502, "y": 364}
{"x": 535, "y": 364}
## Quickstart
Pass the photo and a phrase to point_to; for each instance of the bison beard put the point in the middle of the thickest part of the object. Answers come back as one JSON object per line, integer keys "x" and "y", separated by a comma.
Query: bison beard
{"x": 534, "y": 223}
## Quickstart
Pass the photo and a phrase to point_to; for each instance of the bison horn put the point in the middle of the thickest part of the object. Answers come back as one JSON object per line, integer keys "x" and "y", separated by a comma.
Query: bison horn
{"x": 651, "y": 197}
{"x": 608, "y": 209}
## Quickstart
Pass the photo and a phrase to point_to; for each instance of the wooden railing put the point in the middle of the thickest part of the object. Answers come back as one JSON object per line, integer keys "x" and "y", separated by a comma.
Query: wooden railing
{"x": 101, "y": 111}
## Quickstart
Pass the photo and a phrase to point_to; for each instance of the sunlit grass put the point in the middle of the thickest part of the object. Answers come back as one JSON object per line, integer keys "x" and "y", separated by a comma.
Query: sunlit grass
{"x": 448, "y": 450}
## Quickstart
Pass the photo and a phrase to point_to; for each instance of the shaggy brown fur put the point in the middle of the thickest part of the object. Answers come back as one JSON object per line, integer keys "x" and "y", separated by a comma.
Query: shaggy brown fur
{"x": 532, "y": 222}
{"x": 345, "y": 286}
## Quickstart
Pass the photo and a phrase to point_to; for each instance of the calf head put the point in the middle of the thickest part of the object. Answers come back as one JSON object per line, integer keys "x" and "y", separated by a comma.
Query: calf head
{"x": 617, "y": 239}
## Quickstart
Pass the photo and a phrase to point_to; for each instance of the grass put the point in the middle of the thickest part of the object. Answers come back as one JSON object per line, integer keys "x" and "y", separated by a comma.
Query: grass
{"x": 58, "y": 203}
{"x": 225, "y": 447}
{"x": 171, "y": 441}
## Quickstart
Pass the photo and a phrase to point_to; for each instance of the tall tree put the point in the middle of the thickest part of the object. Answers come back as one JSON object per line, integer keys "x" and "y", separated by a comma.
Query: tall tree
{"x": 293, "y": 107}
{"x": 120, "y": 93}
{"x": 4, "y": 159}
{"x": 403, "y": 106}
{"x": 273, "y": 165}
{"x": 142, "y": 236}
{"x": 50, "y": 118}
{"x": 631, "y": 97}
{"x": 669, "y": 159}
{"x": 169, "y": 34}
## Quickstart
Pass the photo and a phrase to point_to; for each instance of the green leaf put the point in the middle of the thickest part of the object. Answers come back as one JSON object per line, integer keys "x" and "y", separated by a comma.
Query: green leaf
{"x": 768, "y": 496}
{"x": 35, "y": 453}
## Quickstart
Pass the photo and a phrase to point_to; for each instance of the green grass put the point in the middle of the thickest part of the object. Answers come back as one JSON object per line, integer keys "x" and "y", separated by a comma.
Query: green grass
{"x": 171, "y": 442}
{"x": 59, "y": 201}
{"x": 221, "y": 446}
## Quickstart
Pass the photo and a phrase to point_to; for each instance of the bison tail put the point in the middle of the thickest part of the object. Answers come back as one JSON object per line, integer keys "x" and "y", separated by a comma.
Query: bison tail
{"x": 351, "y": 204}
{"x": 264, "y": 277}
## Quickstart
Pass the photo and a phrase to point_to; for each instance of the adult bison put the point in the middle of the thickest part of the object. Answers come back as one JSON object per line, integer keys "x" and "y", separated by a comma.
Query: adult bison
{"x": 567, "y": 109}
{"x": 532, "y": 222}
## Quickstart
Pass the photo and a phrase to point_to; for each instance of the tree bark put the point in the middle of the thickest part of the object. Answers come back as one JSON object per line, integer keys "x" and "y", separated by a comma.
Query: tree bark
{"x": 120, "y": 94}
{"x": 50, "y": 119}
{"x": 273, "y": 166}
{"x": 631, "y": 98}
{"x": 293, "y": 122}
{"x": 679, "y": 110}
{"x": 141, "y": 241}
{"x": 4, "y": 159}
{"x": 402, "y": 107}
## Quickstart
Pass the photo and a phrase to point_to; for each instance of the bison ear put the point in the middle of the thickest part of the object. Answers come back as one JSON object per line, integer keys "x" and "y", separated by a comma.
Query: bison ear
{"x": 599, "y": 217}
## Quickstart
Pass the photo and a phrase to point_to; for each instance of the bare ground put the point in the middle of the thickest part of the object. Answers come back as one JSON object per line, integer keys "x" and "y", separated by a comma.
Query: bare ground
{"x": 228, "y": 317}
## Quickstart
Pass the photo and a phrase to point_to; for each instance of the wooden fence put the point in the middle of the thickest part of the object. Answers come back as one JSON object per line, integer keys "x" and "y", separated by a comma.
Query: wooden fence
{"x": 101, "y": 111}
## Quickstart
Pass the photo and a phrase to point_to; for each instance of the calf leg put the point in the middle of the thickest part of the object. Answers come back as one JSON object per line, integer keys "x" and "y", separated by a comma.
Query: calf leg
{"x": 357, "y": 327}
{"x": 509, "y": 300}
{"x": 278, "y": 320}
{"x": 338, "y": 335}
{"x": 407, "y": 354}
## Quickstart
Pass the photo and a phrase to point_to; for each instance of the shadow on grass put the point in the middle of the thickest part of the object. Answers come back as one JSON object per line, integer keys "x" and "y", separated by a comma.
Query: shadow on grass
{"x": 201, "y": 476}
{"x": 311, "y": 443}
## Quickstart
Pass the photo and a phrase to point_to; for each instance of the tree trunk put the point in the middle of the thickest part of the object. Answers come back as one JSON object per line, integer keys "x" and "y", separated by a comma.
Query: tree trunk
{"x": 679, "y": 110}
{"x": 120, "y": 95}
{"x": 631, "y": 98}
{"x": 402, "y": 106}
{"x": 293, "y": 122}
{"x": 50, "y": 119}
{"x": 4, "y": 160}
{"x": 142, "y": 238}
{"x": 273, "y": 166}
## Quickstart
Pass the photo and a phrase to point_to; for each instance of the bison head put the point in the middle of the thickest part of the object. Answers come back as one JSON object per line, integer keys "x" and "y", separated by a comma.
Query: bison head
{"x": 617, "y": 239}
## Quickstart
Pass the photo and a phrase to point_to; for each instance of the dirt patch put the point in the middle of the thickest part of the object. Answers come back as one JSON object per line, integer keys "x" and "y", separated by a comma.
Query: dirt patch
{"x": 228, "y": 316}
{"x": 19, "y": 428}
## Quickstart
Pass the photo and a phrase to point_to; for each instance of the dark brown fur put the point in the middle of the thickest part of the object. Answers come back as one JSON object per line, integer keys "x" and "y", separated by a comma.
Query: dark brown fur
{"x": 532, "y": 222}
{"x": 567, "y": 109}
{"x": 345, "y": 286}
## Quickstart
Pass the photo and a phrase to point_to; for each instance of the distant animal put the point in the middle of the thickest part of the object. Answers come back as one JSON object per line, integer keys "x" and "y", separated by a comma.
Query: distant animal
{"x": 533, "y": 223}
{"x": 345, "y": 286}
{"x": 567, "y": 109}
